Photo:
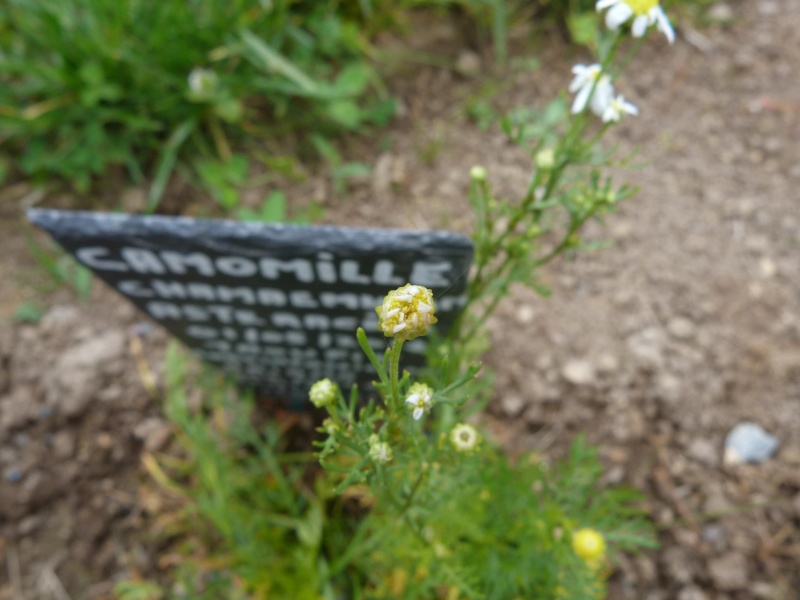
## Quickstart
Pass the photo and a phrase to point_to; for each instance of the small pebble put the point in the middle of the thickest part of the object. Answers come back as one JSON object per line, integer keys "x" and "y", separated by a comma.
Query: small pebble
{"x": 681, "y": 328}
{"x": 748, "y": 443}
{"x": 703, "y": 451}
{"x": 720, "y": 13}
{"x": 715, "y": 535}
{"x": 729, "y": 572}
{"x": 579, "y": 372}
{"x": 14, "y": 475}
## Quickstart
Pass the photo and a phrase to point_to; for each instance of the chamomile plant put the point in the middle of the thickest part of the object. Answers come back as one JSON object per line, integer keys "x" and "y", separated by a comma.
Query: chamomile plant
{"x": 451, "y": 515}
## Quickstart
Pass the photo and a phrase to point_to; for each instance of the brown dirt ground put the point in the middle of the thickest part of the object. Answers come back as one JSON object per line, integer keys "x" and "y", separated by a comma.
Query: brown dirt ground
{"x": 657, "y": 346}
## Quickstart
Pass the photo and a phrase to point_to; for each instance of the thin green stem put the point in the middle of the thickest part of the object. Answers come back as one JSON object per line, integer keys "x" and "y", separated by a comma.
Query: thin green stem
{"x": 394, "y": 370}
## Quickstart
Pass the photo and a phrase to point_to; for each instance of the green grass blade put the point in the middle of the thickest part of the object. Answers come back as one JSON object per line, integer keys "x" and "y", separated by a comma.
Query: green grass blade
{"x": 166, "y": 163}
{"x": 264, "y": 57}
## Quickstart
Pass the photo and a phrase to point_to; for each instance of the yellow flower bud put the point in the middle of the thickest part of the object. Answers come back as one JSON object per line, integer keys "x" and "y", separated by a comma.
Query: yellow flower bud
{"x": 407, "y": 312}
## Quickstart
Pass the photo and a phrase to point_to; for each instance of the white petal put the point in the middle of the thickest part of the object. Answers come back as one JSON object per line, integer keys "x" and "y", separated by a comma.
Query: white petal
{"x": 603, "y": 4}
{"x": 583, "y": 75}
{"x": 418, "y": 413}
{"x": 602, "y": 96}
{"x": 577, "y": 82}
{"x": 581, "y": 99}
{"x": 413, "y": 399}
{"x": 629, "y": 108}
{"x": 609, "y": 114}
{"x": 664, "y": 26}
{"x": 639, "y": 27}
{"x": 618, "y": 14}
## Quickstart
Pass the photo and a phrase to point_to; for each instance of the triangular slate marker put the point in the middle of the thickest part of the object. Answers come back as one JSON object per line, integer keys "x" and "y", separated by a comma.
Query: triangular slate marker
{"x": 278, "y": 305}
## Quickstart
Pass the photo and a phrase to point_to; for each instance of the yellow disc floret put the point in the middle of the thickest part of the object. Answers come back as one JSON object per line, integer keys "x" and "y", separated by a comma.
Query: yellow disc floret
{"x": 642, "y": 7}
{"x": 407, "y": 312}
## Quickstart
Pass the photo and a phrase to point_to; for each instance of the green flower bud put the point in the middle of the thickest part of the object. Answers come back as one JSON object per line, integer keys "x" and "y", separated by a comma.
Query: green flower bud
{"x": 323, "y": 393}
{"x": 545, "y": 159}
{"x": 478, "y": 173}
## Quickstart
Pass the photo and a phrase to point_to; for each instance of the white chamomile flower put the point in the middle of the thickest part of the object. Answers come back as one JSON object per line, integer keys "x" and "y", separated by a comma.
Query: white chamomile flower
{"x": 465, "y": 438}
{"x": 618, "y": 107}
{"x": 590, "y": 86}
{"x": 645, "y": 13}
{"x": 420, "y": 397}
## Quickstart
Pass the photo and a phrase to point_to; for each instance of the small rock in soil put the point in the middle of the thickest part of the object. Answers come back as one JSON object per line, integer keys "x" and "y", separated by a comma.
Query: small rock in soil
{"x": 607, "y": 363}
{"x": 468, "y": 63}
{"x": 669, "y": 387}
{"x": 729, "y": 572}
{"x": 28, "y": 525}
{"x": 646, "y": 568}
{"x": 720, "y": 13}
{"x": 681, "y": 328}
{"x": 715, "y": 535}
{"x": 692, "y": 593}
{"x": 17, "y": 408}
{"x": 704, "y": 451}
{"x": 579, "y": 372}
{"x": 686, "y": 537}
{"x": 133, "y": 200}
{"x": 716, "y": 501}
{"x": 749, "y": 443}
{"x": 512, "y": 404}
{"x": 63, "y": 445}
{"x": 58, "y": 317}
{"x": 677, "y": 564}
{"x": 767, "y": 267}
{"x": 525, "y": 314}
{"x": 766, "y": 591}
{"x": 73, "y": 382}
{"x": 647, "y": 346}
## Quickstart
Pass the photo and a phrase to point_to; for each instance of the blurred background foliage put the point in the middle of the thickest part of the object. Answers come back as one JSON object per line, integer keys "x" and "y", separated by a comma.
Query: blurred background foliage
{"x": 89, "y": 87}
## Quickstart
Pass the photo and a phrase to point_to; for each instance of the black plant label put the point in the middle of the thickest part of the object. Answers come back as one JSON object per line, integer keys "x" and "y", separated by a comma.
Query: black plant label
{"x": 276, "y": 305}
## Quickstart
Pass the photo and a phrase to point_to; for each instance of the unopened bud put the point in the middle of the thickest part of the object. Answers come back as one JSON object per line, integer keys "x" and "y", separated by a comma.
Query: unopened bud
{"x": 478, "y": 173}
{"x": 545, "y": 159}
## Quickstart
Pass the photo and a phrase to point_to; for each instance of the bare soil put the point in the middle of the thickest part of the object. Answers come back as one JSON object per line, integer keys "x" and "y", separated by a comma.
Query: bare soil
{"x": 657, "y": 346}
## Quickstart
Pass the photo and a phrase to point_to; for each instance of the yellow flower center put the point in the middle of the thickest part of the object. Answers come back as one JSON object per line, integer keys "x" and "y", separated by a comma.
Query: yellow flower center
{"x": 642, "y": 7}
{"x": 588, "y": 544}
